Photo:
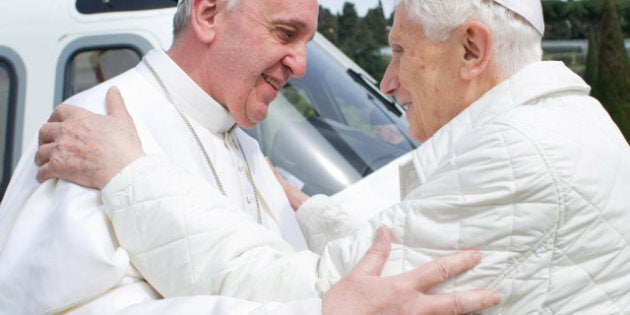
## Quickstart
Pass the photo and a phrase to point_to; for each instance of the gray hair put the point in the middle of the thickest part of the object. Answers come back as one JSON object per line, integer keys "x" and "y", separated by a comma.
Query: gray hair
{"x": 182, "y": 15}
{"x": 516, "y": 42}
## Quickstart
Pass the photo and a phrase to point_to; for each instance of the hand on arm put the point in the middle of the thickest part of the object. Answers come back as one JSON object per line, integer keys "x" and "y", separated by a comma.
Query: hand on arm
{"x": 363, "y": 291}
{"x": 295, "y": 195}
{"x": 86, "y": 148}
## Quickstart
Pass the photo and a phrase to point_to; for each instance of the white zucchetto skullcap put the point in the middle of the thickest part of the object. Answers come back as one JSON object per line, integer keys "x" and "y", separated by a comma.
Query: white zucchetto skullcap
{"x": 530, "y": 10}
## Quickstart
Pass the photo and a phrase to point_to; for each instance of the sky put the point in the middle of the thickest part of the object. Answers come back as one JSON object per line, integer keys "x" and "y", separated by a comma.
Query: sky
{"x": 362, "y": 6}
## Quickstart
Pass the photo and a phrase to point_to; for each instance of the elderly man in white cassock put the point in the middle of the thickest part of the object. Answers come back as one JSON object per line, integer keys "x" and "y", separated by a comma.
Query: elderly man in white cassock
{"x": 58, "y": 250}
{"x": 517, "y": 159}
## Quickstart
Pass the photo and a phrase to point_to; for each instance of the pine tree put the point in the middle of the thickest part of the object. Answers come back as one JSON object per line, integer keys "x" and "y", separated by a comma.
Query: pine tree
{"x": 612, "y": 85}
{"x": 328, "y": 25}
{"x": 592, "y": 58}
{"x": 377, "y": 24}
{"x": 350, "y": 31}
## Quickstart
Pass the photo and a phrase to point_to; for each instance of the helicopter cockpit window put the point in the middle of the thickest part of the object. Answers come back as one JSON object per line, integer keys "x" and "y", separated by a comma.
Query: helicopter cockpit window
{"x": 90, "y": 67}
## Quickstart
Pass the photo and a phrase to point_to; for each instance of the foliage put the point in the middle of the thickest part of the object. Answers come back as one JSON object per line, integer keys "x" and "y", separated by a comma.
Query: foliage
{"x": 360, "y": 38}
{"x": 592, "y": 58}
{"x": 573, "y": 19}
{"x": 611, "y": 82}
{"x": 328, "y": 25}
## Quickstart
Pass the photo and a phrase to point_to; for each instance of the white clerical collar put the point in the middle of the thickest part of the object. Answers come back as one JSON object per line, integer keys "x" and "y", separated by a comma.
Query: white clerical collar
{"x": 189, "y": 96}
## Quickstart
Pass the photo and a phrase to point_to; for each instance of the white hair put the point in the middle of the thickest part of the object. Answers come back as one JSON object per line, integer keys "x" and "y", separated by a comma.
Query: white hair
{"x": 182, "y": 15}
{"x": 516, "y": 42}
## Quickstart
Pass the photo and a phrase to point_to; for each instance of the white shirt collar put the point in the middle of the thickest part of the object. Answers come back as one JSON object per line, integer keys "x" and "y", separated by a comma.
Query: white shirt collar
{"x": 187, "y": 95}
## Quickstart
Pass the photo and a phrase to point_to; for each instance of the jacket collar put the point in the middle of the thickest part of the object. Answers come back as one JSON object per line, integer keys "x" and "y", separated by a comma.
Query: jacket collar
{"x": 190, "y": 97}
{"x": 535, "y": 81}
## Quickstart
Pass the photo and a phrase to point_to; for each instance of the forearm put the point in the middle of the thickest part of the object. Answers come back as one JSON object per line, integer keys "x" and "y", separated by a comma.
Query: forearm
{"x": 322, "y": 221}
{"x": 169, "y": 220}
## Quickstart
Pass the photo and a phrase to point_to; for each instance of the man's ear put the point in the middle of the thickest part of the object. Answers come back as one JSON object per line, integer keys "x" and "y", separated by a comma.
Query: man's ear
{"x": 477, "y": 43}
{"x": 203, "y": 19}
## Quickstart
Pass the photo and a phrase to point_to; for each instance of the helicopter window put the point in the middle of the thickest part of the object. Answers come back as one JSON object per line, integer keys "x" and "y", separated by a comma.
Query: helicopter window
{"x": 104, "y": 6}
{"x": 7, "y": 100}
{"x": 90, "y": 67}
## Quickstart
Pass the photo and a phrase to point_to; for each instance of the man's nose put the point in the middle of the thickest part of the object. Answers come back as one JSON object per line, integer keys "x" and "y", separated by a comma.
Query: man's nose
{"x": 390, "y": 82}
{"x": 296, "y": 60}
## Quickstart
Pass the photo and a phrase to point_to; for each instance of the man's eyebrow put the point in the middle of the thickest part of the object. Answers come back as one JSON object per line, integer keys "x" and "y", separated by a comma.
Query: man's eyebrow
{"x": 296, "y": 23}
{"x": 292, "y": 22}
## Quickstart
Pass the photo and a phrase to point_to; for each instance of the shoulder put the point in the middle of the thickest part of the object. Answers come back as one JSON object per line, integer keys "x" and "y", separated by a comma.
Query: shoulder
{"x": 93, "y": 99}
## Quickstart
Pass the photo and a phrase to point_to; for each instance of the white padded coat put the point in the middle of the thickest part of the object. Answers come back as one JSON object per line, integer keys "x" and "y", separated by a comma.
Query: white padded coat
{"x": 535, "y": 174}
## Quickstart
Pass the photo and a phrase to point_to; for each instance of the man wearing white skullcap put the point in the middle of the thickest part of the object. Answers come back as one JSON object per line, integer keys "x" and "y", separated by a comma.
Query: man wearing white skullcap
{"x": 517, "y": 160}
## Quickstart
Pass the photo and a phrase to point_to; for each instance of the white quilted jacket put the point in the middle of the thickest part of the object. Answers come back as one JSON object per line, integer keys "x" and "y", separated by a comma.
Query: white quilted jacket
{"x": 538, "y": 176}
{"x": 534, "y": 173}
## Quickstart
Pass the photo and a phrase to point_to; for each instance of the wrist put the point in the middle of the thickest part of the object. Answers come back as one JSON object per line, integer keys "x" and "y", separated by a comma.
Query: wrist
{"x": 297, "y": 198}
{"x": 108, "y": 174}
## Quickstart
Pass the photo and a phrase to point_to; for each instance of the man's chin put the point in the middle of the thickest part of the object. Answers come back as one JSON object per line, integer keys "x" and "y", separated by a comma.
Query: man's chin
{"x": 253, "y": 120}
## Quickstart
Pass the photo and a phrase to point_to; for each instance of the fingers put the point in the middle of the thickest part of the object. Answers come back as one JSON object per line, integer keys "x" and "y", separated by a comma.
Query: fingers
{"x": 63, "y": 111}
{"x": 45, "y": 173}
{"x": 49, "y": 132}
{"x": 444, "y": 268}
{"x": 42, "y": 159}
{"x": 374, "y": 259}
{"x": 115, "y": 103}
{"x": 42, "y": 156}
{"x": 461, "y": 302}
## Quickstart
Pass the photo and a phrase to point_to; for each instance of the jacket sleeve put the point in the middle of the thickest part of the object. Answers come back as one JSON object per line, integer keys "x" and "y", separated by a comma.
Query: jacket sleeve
{"x": 322, "y": 220}
{"x": 494, "y": 192}
{"x": 186, "y": 238}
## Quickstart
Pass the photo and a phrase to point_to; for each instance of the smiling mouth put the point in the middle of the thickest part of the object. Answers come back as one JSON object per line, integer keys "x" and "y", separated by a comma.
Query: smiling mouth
{"x": 272, "y": 82}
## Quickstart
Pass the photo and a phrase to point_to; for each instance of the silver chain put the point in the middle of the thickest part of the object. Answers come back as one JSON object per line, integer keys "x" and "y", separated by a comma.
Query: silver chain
{"x": 217, "y": 180}
{"x": 251, "y": 181}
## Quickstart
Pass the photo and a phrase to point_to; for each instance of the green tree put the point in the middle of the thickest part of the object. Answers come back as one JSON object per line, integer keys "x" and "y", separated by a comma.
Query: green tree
{"x": 373, "y": 60}
{"x": 328, "y": 25}
{"x": 570, "y": 19}
{"x": 612, "y": 85}
{"x": 361, "y": 39}
{"x": 350, "y": 32}
{"x": 377, "y": 24}
{"x": 592, "y": 59}
{"x": 573, "y": 19}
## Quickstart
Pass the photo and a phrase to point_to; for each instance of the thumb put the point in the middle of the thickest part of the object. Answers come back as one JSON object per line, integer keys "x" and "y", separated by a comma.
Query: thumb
{"x": 374, "y": 259}
{"x": 115, "y": 103}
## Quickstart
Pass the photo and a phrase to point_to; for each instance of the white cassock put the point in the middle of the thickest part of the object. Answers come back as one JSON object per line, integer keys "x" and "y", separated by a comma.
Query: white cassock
{"x": 58, "y": 249}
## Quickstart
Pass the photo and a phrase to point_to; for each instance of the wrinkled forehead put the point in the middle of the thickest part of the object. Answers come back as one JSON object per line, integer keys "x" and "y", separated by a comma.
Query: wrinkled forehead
{"x": 404, "y": 25}
{"x": 302, "y": 13}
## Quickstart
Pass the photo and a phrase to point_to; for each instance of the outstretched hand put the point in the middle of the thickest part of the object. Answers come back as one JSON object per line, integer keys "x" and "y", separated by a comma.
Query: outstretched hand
{"x": 364, "y": 291}
{"x": 295, "y": 196}
{"x": 87, "y": 148}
